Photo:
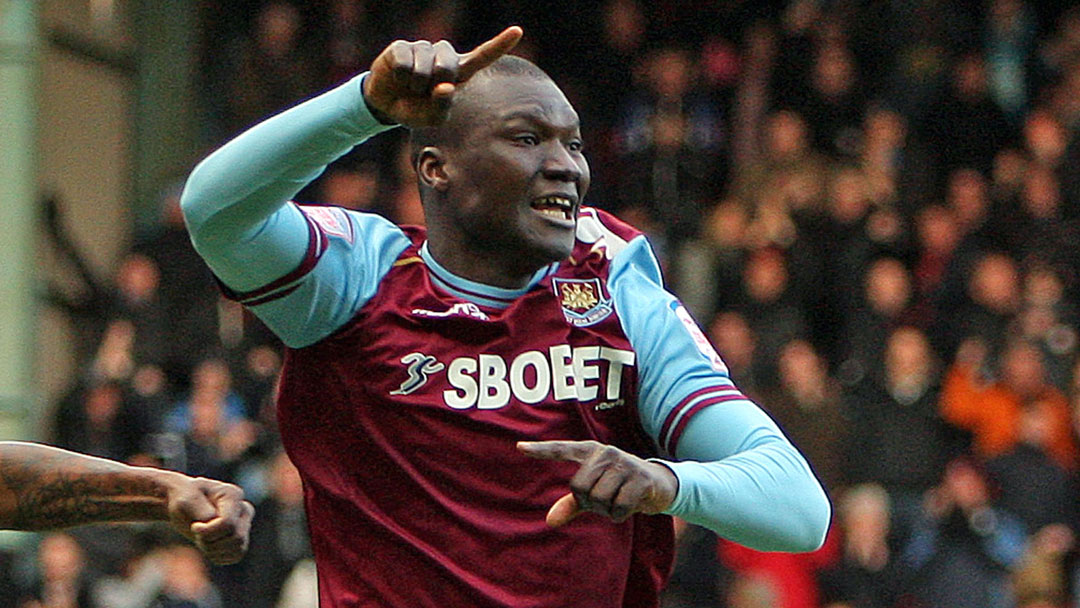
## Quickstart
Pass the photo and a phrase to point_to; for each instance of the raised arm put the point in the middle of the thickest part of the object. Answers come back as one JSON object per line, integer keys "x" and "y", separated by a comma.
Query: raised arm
{"x": 306, "y": 271}
{"x": 43, "y": 488}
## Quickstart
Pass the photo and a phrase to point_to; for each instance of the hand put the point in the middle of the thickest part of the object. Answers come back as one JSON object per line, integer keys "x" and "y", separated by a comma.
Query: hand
{"x": 610, "y": 481}
{"x": 213, "y": 515}
{"x": 412, "y": 83}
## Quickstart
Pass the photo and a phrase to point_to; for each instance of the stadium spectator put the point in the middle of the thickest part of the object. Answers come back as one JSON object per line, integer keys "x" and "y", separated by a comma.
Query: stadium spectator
{"x": 786, "y": 164}
{"x": 896, "y": 435}
{"x": 271, "y": 70}
{"x": 62, "y": 582}
{"x": 807, "y": 405}
{"x": 994, "y": 299}
{"x": 771, "y": 312}
{"x": 834, "y": 103}
{"x": 279, "y": 541}
{"x": 736, "y": 342}
{"x": 993, "y": 411}
{"x": 885, "y": 307}
{"x": 964, "y": 545}
{"x": 186, "y": 291}
{"x": 881, "y": 156}
{"x": 936, "y": 241}
{"x": 1032, "y": 485}
{"x": 353, "y": 38}
{"x": 1009, "y": 36}
{"x": 213, "y": 424}
{"x": 186, "y": 583}
{"x": 1041, "y": 578}
{"x": 851, "y": 236}
{"x": 868, "y": 573}
{"x": 969, "y": 119}
{"x": 670, "y": 138}
{"x": 96, "y": 419}
{"x": 792, "y": 577}
{"x": 1049, "y": 319}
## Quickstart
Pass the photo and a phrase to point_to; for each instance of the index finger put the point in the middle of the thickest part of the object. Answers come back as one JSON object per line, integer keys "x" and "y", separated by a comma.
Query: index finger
{"x": 486, "y": 54}
{"x": 574, "y": 451}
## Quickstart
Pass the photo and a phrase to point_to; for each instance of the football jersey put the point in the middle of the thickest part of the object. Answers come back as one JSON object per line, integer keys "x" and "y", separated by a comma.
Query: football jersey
{"x": 404, "y": 421}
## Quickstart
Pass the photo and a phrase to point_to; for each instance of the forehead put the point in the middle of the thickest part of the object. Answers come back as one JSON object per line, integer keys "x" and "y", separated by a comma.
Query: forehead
{"x": 493, "y": 100}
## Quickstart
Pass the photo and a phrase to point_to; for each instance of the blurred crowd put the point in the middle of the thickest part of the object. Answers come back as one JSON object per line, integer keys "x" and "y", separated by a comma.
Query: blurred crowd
{"x": 871, "y": 206}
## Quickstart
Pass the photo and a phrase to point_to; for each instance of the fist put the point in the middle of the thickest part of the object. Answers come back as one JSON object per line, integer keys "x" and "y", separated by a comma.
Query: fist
{"x": 213, "y": 515}
{"x": 413, "y": 83}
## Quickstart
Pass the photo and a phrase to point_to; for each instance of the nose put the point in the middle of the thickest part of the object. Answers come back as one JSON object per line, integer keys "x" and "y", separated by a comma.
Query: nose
{"x": 560, "y": 165}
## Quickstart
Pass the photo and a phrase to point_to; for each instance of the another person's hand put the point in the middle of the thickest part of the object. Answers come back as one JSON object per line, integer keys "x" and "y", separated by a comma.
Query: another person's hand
{"x": 610, "y": 482}
{"x": 412, "y": 83}
{"x": 213, "y": 515}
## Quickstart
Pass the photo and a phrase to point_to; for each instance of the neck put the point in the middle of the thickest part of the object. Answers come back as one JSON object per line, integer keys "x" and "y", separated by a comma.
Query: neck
{"x": 488, "y": 268}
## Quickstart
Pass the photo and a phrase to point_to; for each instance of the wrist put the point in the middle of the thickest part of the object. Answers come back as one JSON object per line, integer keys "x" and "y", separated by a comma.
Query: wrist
{"x": 378, "y": 114}
{"x": 669, "y": 483}
{"x": 162, "y": 484}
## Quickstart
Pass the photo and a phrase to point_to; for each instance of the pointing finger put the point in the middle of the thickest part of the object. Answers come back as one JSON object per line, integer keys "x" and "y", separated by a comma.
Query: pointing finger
{"x": 574, "y": 451}
{"x": 485, "y": 54}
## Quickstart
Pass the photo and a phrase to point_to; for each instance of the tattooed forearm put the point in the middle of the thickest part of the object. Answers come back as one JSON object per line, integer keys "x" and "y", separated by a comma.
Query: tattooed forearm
{"x": 44, "y": 487}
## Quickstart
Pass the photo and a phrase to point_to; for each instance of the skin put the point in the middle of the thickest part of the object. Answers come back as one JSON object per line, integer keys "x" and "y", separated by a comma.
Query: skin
{"x": 44, "y": 488}
{"x": 509, "y": 140}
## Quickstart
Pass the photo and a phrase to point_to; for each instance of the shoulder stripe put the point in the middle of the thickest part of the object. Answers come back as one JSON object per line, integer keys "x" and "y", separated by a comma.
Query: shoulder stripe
{"x": 676, "y": 420}
{"x": 317, "y": 244}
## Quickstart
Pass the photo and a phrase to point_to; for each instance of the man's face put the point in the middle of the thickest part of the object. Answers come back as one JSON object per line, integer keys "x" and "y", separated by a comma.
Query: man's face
{"x": 516, "y": 175}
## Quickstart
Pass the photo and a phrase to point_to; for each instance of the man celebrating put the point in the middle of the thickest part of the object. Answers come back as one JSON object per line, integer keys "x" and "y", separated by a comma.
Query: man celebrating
{"x": 445, "y": 389}
{"x": 43, "y": 488}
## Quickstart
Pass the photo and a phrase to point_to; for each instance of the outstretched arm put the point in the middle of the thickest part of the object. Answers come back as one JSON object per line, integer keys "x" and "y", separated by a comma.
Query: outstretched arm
{"x": 728, "y": 467}
{"x": 43, "y": 487}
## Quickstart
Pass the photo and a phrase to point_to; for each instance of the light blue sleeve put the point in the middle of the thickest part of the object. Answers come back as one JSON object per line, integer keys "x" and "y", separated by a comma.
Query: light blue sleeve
{"x": 738, "y": 474}
{"x": 303, "y": 271}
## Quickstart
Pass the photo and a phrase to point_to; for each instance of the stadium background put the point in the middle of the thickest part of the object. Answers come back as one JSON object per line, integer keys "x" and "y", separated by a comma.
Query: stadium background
{"x": 872, "y": 207}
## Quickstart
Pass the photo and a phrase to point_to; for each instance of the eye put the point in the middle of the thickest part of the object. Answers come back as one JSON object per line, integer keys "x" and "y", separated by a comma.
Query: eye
{"x": 529, "y": 139}
{"x": 576, "y": 145}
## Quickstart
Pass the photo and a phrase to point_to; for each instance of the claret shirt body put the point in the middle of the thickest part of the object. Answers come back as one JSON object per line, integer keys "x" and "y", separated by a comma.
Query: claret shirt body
{"x": 403, "y": 424}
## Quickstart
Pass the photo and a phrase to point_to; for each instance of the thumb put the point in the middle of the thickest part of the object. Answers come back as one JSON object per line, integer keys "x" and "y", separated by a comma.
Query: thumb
{"x": 563, "y": 511}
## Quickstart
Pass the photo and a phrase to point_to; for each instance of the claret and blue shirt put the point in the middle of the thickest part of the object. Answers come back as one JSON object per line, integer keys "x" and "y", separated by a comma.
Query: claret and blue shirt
{"x": 406, "y": 387}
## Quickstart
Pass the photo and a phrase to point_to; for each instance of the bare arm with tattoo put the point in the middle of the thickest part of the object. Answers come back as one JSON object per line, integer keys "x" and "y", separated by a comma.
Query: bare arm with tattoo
{"x": 42, "y": 487}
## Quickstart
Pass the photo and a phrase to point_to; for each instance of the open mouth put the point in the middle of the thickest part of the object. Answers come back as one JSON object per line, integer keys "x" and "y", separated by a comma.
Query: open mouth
{"x": 555, "y": 207}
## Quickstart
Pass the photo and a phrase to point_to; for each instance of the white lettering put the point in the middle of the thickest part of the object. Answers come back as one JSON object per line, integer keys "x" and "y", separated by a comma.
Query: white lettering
{"x": 618, "y": 358}
{"x": 564, "y": 373}
{"x": 583, "y": 371}
{"x": 458, "y": 375}
{"x": 561, "y": 371}
{"x": 538, "y": 362}
{"x": 493, "y": 378}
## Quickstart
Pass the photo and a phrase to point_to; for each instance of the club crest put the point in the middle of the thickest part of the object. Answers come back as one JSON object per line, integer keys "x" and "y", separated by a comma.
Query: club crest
{"x": 583, "y": 301}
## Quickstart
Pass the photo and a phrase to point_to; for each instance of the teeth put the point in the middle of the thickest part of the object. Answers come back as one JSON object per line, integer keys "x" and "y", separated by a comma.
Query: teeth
{"x": 556, "y": 213}
{"x": 557, "y": 201}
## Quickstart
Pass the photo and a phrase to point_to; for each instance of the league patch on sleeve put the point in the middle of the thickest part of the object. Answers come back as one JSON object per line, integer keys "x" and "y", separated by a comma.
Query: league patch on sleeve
{"x": 332, "y": 220}
{"x": 703, "y": 345}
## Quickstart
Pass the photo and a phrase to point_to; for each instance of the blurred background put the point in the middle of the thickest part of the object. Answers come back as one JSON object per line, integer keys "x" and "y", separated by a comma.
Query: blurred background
{"x": 872, "y": 207}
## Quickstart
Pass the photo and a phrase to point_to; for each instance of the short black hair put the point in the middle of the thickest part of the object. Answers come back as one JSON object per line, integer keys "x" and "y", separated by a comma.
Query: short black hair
{"x": 507, "y": 66}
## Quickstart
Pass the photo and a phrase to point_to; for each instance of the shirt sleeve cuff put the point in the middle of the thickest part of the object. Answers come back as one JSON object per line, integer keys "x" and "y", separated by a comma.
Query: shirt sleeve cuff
{"x": 686, "y": 475}
{"x": 365, "y": 123}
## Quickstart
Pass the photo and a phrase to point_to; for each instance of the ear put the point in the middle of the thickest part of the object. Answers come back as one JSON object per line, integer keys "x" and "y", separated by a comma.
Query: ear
{"x": 431, "y": 167}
